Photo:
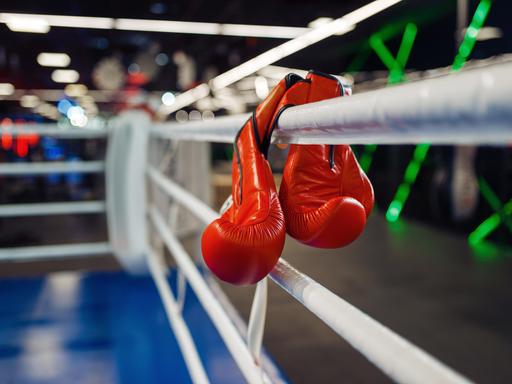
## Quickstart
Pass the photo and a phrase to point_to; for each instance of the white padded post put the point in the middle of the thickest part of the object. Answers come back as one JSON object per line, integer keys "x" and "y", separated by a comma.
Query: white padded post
{"x": 126, "y": 189}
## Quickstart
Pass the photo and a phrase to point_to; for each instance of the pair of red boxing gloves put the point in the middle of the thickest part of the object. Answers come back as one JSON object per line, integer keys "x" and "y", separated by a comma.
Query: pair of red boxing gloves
{"x": 323, "y": 201}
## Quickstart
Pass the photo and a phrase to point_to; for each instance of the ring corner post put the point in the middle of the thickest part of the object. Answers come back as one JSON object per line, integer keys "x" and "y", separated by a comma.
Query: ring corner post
{"x": 126, "y": 189}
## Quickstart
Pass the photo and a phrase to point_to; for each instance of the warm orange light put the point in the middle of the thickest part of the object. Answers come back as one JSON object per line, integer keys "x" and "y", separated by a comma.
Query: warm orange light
{"x": 21, "y": 148}
{"x": 32, "y": 139}
{"x": 6, "y": 139}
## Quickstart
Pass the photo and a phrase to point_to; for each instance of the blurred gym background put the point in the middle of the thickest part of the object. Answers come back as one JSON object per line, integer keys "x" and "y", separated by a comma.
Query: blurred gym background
{"x": 434, "y": 263}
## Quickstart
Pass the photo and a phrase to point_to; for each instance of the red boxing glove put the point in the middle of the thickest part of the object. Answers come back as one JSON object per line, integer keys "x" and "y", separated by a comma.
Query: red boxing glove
{"x": 325, "y": 195}
{"x": 245, "y": 243}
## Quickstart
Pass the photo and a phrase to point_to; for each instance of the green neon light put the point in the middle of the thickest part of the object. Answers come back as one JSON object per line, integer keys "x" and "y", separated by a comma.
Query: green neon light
{"x": 411, "y": 173}
{"x": 489, "y": 194}
{"x": 494, "y": 202}
{"x": 391, "y": 29}
{"x": 396, "y": 65}
{"x": 366, "y": 158}
{"x": 411, "y": 30}
{"x": 484, "y": 229}
{"x": 485, "y": 252}
{"x": 469, "y": 41}
{"x": 403, "y": 54}
{"x": 394, "y": 210}
{"x": 383, "y": 52}
{"x": 465, "y": 49}
{"x": 489, "y": 225}
{"x": 396, "y": 72}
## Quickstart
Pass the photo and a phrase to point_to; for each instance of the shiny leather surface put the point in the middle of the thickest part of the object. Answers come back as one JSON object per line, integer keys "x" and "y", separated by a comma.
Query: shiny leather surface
{"x": 321, "y": 205}
{"x": 325, "y": 195}
{"x": 244, "y": 244}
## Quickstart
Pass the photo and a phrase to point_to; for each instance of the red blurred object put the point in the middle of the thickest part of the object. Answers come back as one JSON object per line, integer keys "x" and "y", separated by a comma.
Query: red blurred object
{"x": 32, "y": 139}
{"x": 137, "y": 79}
{"x": 21, "y": 147}
{"x": 6, "y": 135}
{"x": 6, "y": 140}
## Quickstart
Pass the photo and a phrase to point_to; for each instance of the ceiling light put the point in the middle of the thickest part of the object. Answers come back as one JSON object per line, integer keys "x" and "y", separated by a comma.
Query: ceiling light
{"x": 133, "y": 68}
{"x": 208, "y": 115}
{"x": 339, "y": 26}
{"x": 45, "y": 109}
{"x": 189, "y": 97}
{"x": 47, "y": 59}
{"x": 25, "y": 23}
{"x": 168, "y": 26}
{"x": 262, "y": 31}
{"x": 74, "y": 111}
{"x": 181, "y": 116}
{"x": 161, "y": 59}
{"x": 75, "y": 90}
{"x": 194, "y": 115}
{"x": 29, "y": 101}
{"x": 209, "y": 28}
{"x": 79, "y": 21}
{"x": 6, "y": 89}
{"x": 42, "y": 23}
{"x": 320, "y": 21}
{"x": 86, "y": 100}
{"x": 326, "y": 20}
{"x": 64, "y": 105}
{"x": 79, "y": 120}
{"x": 65, "y": 76}
{"x": 168, "y": 98}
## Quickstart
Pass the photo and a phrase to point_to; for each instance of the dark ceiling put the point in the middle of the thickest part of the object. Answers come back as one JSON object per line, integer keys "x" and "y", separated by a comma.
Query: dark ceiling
{"x": 434, "y": 46}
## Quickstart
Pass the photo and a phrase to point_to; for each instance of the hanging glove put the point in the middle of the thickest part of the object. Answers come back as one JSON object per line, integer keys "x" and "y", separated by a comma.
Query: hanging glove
{"x": 245, "y": 243}
{"x": 325, "y": 195}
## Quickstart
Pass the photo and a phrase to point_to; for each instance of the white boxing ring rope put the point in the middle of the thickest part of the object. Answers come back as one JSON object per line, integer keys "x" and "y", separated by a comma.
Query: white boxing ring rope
{"x": 46, "y": 209}
{"x": 227, "y": 330}
{"x": 45, "y": 252}
{"x": 468, "y": 107}
{"x": 41, "y": 168}
{"x": 395, "y": 356}
{"x": 178, "y": 325}
{"x": 53, "y": 130}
